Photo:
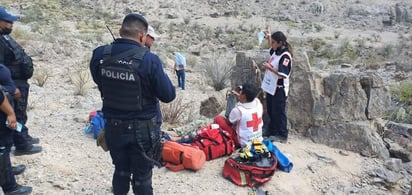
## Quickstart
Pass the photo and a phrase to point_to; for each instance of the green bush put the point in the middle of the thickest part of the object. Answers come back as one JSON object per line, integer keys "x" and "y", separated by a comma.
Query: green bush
{"x": 405, "y": 93}
{"x": 402, "y": 93}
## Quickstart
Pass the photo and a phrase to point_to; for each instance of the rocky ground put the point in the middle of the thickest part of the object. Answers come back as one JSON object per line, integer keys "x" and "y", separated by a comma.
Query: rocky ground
{"x": 60, "y": 35}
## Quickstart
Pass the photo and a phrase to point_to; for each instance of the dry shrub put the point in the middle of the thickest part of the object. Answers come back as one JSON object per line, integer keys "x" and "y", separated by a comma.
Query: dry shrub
{"x": 81, "y": 82}
{"x": 41, "y": 75}
{"x": 172, "y": 112}
{"x": 218, "y": 71}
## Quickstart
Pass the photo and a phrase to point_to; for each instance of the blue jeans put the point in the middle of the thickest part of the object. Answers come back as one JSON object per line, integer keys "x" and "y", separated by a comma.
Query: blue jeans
{"x": 181, "y": 78}
{"x": 131, "y": 148}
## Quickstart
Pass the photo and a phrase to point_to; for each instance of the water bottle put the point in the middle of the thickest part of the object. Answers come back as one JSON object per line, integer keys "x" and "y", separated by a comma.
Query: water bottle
{"x": 261, "y": 36}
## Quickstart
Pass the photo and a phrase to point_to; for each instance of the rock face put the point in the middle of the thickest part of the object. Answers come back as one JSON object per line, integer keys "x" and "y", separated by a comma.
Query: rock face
{"x": 337, "y": 108}
{"x": 391, "y": 15}
{"x": 399, "y": 138}
{"x": 210, "y": 107}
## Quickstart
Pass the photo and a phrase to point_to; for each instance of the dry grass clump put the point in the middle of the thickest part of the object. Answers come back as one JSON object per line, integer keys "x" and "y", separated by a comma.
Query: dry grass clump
{"x": 172, "y": 112}
{"x": 41, "y": 75}
{"x": 218, "y": 71}
{"x": 81, "y": 81}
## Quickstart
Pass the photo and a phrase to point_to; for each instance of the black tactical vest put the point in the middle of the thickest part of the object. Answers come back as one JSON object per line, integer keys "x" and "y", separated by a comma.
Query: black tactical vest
{"x": 120, "y": 80}
{"x": 16, "y": 59}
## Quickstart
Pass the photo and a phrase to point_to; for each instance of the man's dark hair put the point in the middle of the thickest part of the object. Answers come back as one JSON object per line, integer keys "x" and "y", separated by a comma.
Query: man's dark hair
{"x": 133, "y": 24}
{"x": 250, "y": 91}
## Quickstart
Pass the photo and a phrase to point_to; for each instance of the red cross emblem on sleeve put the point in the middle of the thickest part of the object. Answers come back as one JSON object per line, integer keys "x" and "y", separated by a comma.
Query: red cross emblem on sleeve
{"x": 286, "y": 62}
{"x": 254, "y": 122}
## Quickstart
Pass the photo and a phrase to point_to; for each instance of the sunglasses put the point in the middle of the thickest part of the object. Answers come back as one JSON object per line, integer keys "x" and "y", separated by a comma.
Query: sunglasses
{"x": 239, "y": 88}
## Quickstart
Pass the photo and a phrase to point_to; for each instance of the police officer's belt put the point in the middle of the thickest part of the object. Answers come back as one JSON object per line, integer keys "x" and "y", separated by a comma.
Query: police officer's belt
{"x": 135, "y": 123}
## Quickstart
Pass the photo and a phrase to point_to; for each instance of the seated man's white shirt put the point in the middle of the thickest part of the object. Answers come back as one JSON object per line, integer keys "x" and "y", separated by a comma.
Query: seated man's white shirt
{"x": 247, "y": 120}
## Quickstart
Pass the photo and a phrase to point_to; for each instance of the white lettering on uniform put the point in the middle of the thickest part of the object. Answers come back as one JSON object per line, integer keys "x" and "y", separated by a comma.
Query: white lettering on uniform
{"x": 118, "y": 75}
{"x": 125, "y": 62}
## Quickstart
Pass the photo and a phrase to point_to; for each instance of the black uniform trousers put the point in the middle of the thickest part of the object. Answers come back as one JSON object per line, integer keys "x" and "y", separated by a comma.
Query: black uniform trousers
{"x": 6, "y": 142}
{"x": 276, "y": 109}
{"x": 131, "y": 145}
{"x": 21, "y": 139}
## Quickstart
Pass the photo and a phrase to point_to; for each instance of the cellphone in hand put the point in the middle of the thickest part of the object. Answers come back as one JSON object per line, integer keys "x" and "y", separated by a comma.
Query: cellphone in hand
{"x": 19, "y": 126}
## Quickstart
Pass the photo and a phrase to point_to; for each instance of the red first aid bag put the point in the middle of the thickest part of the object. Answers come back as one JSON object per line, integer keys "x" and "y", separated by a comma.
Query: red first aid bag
{"x": 214, "y": 143}
{"x": 247, "y": 173}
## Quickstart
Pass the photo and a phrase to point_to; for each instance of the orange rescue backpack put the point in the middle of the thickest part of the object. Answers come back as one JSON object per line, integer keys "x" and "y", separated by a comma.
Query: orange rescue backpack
{"x": 178, "y": 156}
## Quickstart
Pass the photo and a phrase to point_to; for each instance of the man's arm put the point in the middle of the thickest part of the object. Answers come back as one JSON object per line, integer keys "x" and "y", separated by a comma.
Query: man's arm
{"x": 234, "y": 115}
{"x": 8, "y": 110}
{"x": 164, "y": 89}
{"x": 94, "y": 67}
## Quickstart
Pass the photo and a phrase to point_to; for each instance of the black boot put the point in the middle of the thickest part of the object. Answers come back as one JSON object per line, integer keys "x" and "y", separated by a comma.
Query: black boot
{"x": 29, "y": 150}
{"x": 20, "y": 190}
{"x": 19, "y": 169}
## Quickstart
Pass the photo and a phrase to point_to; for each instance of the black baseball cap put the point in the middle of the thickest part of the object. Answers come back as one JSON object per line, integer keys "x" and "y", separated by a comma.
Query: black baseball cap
{"x": 133, "y": 17}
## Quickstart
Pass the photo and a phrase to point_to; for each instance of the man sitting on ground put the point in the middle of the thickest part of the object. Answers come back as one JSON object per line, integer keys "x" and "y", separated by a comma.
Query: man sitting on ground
{"x": 245, "y": 119}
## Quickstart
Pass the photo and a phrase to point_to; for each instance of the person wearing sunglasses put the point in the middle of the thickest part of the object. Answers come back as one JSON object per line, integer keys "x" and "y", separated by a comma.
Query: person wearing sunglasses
{"x": 245, "y": 119}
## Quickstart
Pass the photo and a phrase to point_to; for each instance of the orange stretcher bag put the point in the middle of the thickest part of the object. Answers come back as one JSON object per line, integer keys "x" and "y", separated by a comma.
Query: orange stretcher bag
{"x": 178, "y": 156}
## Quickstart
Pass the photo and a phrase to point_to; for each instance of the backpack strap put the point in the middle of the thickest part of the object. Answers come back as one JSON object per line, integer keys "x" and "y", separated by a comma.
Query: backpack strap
{"x": 174, "y": 167}
{"x": 225, "y": 141}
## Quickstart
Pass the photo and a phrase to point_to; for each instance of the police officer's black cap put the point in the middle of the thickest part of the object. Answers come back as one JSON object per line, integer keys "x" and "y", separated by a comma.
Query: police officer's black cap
{"x": 133, "y": 17}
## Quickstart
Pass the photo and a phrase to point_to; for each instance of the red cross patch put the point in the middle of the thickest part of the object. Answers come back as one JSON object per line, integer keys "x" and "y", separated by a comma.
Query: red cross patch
{"x": 254, "y": 122}
{"x": 286, "y": 62}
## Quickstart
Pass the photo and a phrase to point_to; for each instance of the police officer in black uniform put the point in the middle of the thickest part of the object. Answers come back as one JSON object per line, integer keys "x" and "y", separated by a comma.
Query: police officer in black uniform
{"x": 7, "y": 179}
{"x": 20, "y": 64}
{"x": 131, "y": 81}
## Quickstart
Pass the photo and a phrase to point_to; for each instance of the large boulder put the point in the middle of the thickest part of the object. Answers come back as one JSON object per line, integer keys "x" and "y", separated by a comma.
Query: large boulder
{"x": 334, "y": 107}
{"x": 210, "y": 107}
{"x": 399, "y": 138}
{"x": 357, "y": 136}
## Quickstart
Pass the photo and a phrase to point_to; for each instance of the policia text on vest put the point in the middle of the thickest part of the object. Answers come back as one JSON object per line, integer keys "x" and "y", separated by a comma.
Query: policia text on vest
{"x": 123, "y": 75}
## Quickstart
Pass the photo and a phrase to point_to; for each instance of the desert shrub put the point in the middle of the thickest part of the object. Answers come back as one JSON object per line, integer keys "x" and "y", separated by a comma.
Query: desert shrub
{"x": 387, "y": 50}
{"x": 405, "y": 93}
{"x": 401, "y": 115}
{"x": 41, "y": 75}
{"x": 327, "y": 52}
{"x": 318, "y": 27}
{"x": 172, "y": 112}
{"x": 347, "y": 49}
{"x": 218, "y": 71}
{"x": 81, "y": 81}
{"x": 35, "y": 13}
{"x": 402, "y": 94}
{"x": 317, "y": 43}
{"x": 21, "y": 34}
{"x": 249, "y": 44}
{"x": 191, "y": 61}
{"x": 206, "y": 34}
